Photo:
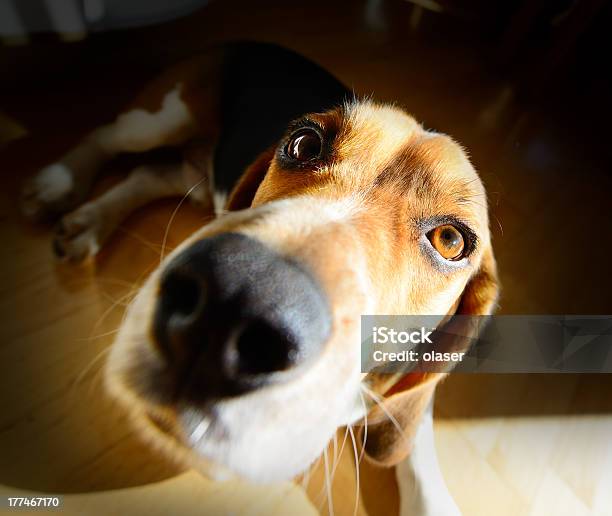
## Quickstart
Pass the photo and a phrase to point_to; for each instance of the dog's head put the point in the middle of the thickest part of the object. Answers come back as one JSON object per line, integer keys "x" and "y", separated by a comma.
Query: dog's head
{"x": 242, "y": 351}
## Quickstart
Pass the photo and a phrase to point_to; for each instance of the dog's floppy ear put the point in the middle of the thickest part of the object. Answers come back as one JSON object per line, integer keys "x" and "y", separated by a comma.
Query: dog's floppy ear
{"x": 241, "y": 197}
{"x": 482, "y": 291}
{"x": 408, "y": 398}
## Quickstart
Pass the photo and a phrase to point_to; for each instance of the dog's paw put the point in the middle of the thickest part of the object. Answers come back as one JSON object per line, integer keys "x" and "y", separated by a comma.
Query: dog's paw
{"x": 79, "y": 234}
{"x": 49, "y": 193}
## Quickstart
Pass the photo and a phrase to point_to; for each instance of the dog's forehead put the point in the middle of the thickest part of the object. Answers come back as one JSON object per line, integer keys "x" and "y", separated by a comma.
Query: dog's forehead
{"x": 371, "y": 133}
{"x": 383, "y": 137}
{"x": 383, "y": 146}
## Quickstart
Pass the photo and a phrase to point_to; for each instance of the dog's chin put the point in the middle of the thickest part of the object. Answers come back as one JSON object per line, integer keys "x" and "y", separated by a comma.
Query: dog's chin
{"x": 180, "y": 442}
{"x": 246, "y": 437}
{"x": 267, "y": 435}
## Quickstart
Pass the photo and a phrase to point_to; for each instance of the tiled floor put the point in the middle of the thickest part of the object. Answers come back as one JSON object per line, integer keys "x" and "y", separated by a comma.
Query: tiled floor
{"x": 512, "y": 444}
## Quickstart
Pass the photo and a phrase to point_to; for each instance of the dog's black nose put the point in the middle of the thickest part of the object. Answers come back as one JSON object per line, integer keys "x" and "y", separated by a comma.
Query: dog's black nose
{"x": 233, "y": 315}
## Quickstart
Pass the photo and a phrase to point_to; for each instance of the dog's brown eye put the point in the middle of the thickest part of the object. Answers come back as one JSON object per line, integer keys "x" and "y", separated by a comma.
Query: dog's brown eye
{"x": 448, "y": 241}
{"x": 304, "y": 145}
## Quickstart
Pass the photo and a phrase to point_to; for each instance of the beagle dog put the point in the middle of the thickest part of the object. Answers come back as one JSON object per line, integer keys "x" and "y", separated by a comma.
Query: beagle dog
{"x": 241, "y": 353}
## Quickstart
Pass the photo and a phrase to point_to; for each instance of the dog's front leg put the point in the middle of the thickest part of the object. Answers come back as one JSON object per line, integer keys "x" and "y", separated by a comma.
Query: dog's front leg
{"x": 422, "y": 489}
{"x": 82, "y": 232}
{"x": 62, "y": 186}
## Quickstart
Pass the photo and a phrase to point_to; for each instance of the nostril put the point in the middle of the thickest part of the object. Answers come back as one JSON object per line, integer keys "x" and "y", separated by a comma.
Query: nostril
{"x": 262, "y": 348}
{"x": 181, "y": 294}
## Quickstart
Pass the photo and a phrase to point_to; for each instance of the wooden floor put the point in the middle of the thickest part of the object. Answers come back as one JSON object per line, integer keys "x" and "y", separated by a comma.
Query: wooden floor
{"x": 508, "y": 444}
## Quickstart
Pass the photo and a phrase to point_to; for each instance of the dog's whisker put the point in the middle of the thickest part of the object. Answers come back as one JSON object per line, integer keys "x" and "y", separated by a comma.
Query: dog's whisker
{"x": 115, "y": 301}
{"x": 124, "y": 300}
{"x": 128, "y": 297}
{"x": 309, "y": 472}
{"x": 365, "y": 427}
{"x": 340, "y": 452}
{"x": 156, "y": 248}
{"x": 114, "y": 304}
{"x": 380, "y": 403}
{"x": 119, "y": 299}
{"x": 174, "y": 213}
{"x": 328, "y": 489}
{"x": 320, "y": 499}
{"x": 306, "y": 477}
{"x": 99, "y": 336}
{"x": 501, "y": 229}
{"x": 334, "y": 466}
{"x": 114, "y": 281}
{"x": 97, "y": 377}
{"x": 80, "y": 377}
{"x": 357, "y": 472}
{"x": 335, "y": 442}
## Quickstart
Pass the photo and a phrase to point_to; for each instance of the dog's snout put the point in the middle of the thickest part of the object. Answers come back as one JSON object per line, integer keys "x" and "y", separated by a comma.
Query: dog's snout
{"x": 233, "y": 315}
